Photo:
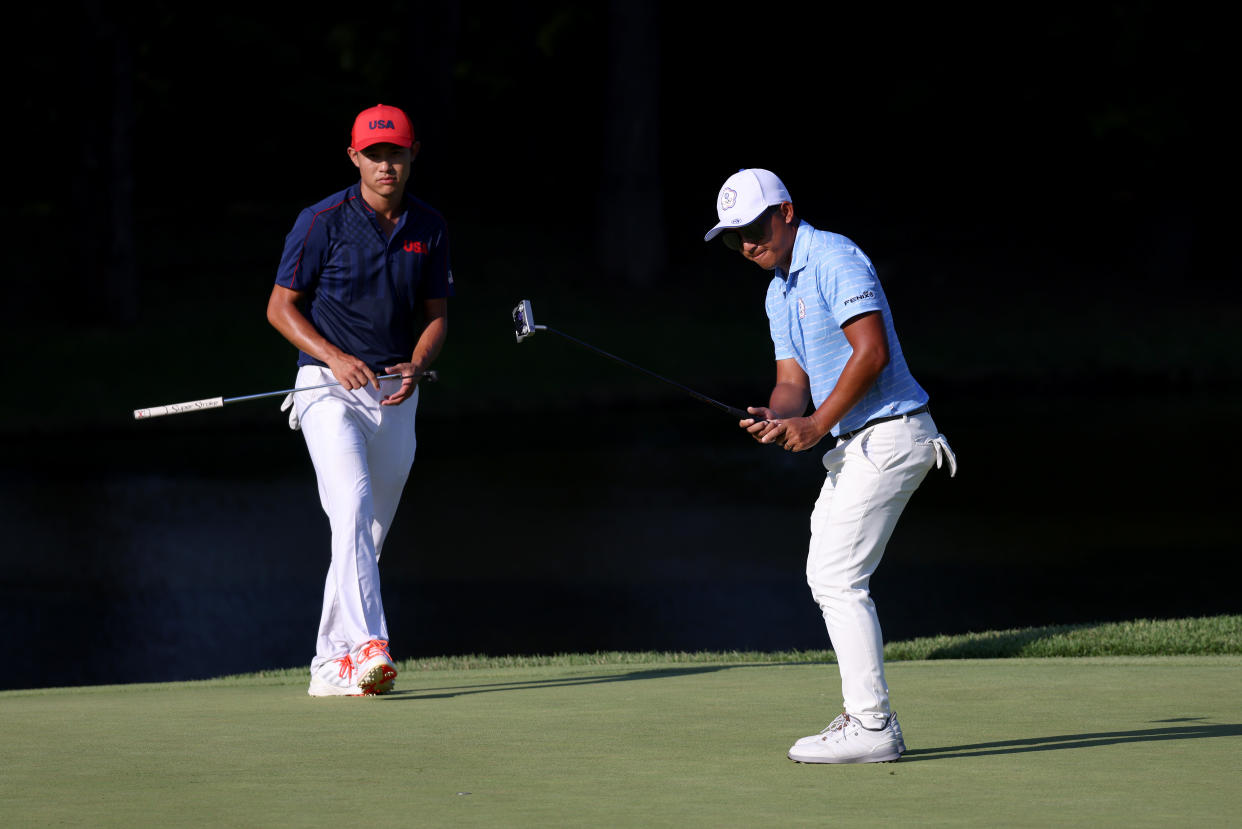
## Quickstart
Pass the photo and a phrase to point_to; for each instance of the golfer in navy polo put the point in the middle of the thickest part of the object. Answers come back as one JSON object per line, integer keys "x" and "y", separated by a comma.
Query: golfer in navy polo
{"x": 362, "y": 290}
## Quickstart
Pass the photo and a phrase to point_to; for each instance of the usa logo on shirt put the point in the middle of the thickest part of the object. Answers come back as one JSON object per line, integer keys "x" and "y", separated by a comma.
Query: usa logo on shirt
{"x": 415, "y": 247}
{"x": 801, "y": 309}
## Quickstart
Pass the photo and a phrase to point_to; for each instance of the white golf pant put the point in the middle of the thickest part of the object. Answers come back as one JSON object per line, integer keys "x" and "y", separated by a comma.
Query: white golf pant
{"x": 870, "y": 480}
{"x": 362, "y": 453}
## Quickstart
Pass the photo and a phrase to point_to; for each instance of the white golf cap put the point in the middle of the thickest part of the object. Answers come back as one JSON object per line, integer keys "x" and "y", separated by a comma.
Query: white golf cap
{"x": 745, "y": 195}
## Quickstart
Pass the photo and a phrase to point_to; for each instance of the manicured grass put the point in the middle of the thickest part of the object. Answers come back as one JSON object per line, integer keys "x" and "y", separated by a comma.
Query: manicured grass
{"x": 656, "y": 741}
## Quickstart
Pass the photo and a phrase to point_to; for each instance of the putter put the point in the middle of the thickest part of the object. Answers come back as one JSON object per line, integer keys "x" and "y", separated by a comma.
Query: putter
{"x": 218, "y": 402}
{"x": 524, "y": 327}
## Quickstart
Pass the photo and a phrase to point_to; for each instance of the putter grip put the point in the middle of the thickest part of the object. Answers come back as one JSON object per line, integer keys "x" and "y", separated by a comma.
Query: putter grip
{"x": 179, "y": 408}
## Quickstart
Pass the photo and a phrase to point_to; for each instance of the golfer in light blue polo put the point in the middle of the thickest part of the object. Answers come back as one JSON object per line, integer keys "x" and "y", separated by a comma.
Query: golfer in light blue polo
{"x": 836, "y": 348}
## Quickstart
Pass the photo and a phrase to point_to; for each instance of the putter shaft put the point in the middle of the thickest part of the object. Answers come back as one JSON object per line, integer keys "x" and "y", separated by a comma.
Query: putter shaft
{"x": 218, "y": 402}
{"x": 524, "y": 327}
{"x": 740, "y": 414}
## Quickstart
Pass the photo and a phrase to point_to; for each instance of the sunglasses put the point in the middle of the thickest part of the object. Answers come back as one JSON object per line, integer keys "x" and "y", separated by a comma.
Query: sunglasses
{"x": 752, "y": 233}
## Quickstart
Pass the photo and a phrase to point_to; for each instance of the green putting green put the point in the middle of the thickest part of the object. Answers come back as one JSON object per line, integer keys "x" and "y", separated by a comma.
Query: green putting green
{"x": 1112, "y": 741}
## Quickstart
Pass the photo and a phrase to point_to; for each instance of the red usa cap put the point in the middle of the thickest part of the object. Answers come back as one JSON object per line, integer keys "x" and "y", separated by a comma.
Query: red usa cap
{"x": 381, "y": 125}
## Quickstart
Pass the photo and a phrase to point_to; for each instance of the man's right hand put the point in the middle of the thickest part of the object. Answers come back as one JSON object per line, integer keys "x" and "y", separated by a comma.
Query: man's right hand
{"x": 351, "y": 372}
{"x": 284, "y": 312}
{"x": 758, "y": 424}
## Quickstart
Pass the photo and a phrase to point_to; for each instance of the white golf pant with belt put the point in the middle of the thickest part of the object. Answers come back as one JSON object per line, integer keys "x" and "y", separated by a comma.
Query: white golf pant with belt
{"x": 362, "y": 453}
{"x": 870, "y": 480}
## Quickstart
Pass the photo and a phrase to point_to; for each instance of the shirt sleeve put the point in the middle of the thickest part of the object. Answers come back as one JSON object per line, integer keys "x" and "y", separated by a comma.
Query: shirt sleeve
{"x": 303, "y": 256}
{"x": 849, "y": 286}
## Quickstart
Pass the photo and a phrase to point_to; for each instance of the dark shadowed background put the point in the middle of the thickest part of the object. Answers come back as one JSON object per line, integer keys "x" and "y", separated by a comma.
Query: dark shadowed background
{"x": 1046, "y": 194}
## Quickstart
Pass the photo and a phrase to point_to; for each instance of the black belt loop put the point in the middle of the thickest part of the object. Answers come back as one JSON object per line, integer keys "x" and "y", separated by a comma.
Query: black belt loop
{"x": 920, "y": 410}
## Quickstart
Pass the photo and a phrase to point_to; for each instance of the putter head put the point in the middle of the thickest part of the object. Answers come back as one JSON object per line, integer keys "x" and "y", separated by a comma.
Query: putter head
{"x": 523, "y": 321}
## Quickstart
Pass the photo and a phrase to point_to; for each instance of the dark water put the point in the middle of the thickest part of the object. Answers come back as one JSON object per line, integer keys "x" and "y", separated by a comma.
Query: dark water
{"x": 197, "y": 548}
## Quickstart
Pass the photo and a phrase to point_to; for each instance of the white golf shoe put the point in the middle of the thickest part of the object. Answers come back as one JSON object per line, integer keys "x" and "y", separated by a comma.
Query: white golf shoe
{"x": 846, "y": 740}
{"x": 835, "y": 725}
{"x": 376, "y": 671}
{"x": 334, "y": 678}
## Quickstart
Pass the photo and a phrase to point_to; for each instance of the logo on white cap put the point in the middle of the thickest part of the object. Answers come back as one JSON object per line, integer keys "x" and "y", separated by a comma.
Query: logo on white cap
{"x": 744, "y": 196}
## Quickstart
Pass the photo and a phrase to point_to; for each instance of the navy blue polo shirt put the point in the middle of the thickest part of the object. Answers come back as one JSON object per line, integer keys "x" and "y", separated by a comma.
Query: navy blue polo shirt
{"x": 366, "y": 290}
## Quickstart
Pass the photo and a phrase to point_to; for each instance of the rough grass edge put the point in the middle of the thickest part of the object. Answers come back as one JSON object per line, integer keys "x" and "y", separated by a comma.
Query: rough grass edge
{"x": 1201, "y": 636}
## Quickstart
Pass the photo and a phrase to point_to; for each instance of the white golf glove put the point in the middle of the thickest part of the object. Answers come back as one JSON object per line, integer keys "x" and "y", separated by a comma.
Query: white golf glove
{"x": 294, "y": 423}
{"x": 944, "y": 453}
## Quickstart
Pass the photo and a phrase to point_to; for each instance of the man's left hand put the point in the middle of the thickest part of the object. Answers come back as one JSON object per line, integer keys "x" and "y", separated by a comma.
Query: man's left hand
{"x": 797, "y": 434}
{"x": 410, "y": 374}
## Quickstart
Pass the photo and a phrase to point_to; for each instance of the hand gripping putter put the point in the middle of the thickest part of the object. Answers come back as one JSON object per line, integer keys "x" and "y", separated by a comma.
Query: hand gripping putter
{"x": 524, "y": 327}
{"x": 218, "y": 402}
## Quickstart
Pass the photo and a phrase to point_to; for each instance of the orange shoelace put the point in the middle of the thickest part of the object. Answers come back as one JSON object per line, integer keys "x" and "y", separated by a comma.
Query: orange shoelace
{"x": 373, "y": 647}
{"x": 347, "y": 668}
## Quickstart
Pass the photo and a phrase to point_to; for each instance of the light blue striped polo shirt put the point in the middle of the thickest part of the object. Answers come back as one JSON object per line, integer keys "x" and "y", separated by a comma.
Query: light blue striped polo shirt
{"x": 831, "y": 281}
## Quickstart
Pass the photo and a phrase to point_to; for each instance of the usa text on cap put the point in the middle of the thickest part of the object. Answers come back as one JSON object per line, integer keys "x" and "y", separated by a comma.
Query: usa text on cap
{"x": 381, "y": 125}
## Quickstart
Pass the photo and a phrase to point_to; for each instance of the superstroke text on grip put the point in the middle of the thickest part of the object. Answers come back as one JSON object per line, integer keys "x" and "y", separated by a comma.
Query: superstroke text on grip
{"x": 178, "y": 408}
